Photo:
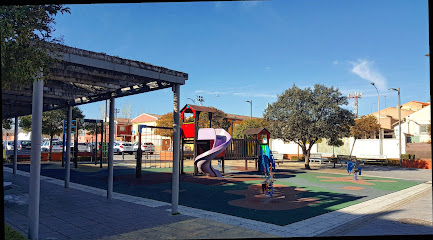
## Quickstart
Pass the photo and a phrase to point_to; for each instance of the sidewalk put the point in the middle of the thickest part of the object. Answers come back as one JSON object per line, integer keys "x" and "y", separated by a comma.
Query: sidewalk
{"x": 83, "y": 212}
{"x": 77, "y": 214}
{"x": 415, "y": 216}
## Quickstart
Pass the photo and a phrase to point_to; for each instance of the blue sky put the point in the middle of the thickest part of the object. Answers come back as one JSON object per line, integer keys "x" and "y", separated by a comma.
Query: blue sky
{"x": 255, "y": 50}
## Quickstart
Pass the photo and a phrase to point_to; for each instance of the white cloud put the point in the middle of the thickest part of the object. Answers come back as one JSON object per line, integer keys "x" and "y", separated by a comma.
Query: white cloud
{"x": 365, "y": 70}
{"x": 335, "y": 62}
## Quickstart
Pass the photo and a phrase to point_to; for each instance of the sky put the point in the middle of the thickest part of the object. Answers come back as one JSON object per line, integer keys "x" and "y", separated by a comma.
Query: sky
{"x": 255, "y": 50}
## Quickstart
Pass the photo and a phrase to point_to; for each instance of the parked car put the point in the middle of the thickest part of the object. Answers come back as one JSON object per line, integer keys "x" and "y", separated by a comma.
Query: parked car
{"x": 145, "y": 147}
{"x": 82, "y": 147}
{"x": 10, "y": 145}
{"x": 57, "y": 146}
{"x": 91, "y": 146}
{"x": 120, "y": 147}
{"x": 24, "y": 144}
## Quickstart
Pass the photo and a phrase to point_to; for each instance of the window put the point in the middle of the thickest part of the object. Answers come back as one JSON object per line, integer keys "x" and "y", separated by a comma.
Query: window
{"x": 423, "y": 129}
{"x": 122, "y": 128}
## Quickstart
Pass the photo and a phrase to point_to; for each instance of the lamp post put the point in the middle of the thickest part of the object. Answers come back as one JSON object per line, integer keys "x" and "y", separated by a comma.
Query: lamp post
{"x": 378, "y": 109}
{"x": 251, "y": 111}
{"x": 193, "y": 101}
{"x": 399, "y": 123}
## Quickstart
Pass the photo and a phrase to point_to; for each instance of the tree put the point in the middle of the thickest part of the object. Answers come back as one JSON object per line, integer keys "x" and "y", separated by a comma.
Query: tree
{"x": 238, "y": 132}
{"x": 364, "y": 127}
{"x": 25, "y": 31}
{"x": 304, "y": 116}
{"x": 335, "y": 142}
{"x": 126, "y": 110}
{"x": 165, "y": 120}
{"x": 219, "y": 119}
{"x": 52, "y": 123}
{"x": 6, "y": 123}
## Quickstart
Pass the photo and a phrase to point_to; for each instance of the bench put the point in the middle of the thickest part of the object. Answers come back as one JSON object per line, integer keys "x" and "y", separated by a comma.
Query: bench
{"x": 317, "y": 157}
{"x": 279, "y": 158}
{"x": 346, "y": 158}
{"x": 373, "y": 158}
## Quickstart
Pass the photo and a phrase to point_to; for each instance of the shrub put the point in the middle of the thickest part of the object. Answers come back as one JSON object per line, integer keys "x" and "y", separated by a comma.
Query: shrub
{"x": 294, "y": 158}
{"x": 393, "y": 162}
{"x": 408, "y": 156}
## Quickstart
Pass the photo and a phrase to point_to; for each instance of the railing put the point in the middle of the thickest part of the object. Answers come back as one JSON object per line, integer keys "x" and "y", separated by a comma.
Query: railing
{"x": 242, "y": 149}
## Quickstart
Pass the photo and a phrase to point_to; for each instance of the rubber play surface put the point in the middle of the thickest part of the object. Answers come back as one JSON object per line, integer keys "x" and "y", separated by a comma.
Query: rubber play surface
{"x": 298, "y": 195}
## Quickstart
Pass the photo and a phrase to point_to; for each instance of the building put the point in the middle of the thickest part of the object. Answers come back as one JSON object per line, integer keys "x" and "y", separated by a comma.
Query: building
{"x": 123, "y": 130}
{"x": 148, "y": 134}
{"x": 415, "y": 119}
{"x": 388, "y": 118}
{"x": 415, "y": 126}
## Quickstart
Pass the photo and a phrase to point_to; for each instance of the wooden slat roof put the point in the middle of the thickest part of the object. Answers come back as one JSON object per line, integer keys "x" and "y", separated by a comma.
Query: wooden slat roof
{"x": 84, "y": 76}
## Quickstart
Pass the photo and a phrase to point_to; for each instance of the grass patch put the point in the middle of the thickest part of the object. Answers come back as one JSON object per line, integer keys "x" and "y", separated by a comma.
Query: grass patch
{"x": 12, "y": 234}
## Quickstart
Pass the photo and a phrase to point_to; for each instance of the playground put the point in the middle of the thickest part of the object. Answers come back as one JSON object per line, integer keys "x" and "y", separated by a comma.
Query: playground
{"x": 297, "y": 195}
{"x": 217, "y": 179}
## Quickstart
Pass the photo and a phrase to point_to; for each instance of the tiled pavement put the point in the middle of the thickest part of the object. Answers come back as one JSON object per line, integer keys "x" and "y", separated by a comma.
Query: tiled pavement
{"x": 83, "y": 212}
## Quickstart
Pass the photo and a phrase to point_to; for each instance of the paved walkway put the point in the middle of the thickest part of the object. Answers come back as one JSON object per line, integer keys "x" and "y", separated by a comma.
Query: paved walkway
{"x": 415, "y": 216}
{"x": 83, "y": 212}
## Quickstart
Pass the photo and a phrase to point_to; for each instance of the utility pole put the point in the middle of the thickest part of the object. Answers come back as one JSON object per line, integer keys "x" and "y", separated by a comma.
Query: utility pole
{"x": 200, "y": 99}
{"x": 355, "y": 96}
{"x": 251, "y": 108}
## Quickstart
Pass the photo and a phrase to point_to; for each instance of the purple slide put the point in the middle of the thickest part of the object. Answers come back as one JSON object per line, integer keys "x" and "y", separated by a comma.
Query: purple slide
{"x": 221, "y": 140}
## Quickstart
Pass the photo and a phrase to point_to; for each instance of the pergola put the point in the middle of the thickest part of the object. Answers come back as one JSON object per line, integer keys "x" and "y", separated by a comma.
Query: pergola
{"x": 81, "y": 77}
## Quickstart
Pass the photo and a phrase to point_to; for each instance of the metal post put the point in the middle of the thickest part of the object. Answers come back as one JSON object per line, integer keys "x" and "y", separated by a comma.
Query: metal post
{"x": 378, "y": 110}
{"x": 139, "y": 155}
{"x": 399, "y": 128}
{"x": 96, "y": 142}
{"x": 110, "y": 149}
{"x": 195, "y": 152}
{"x": 35, "y": 159}
{"x": 181, "y": 155}
{"x": 63, "y": 149}
{"x": 68, "y": 148}
{"x": 251, "y": 110}
{"x": 176, "y": 138}
{"x": 102, "y": 145}
{"x": 399, "y": 124}
{"x": 15, "y": 145}
{"x": 77, "y": 126}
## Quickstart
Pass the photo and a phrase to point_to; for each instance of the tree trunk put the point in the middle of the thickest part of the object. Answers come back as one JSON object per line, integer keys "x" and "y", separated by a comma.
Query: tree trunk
{"x": 51, "y": 148}
{"x": 306, "y": 154}
{"x": 353, "y": 145}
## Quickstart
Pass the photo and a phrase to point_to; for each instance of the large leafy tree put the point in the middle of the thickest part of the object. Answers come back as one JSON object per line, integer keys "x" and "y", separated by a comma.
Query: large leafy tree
{"x": 365, "y": 127}
{"x": 52, "y": 123}
{"x": 25, "y": 31}
{"x": 238, "y": 132}
{"x": 219, "y": 119}
{"x": 165, "y": 120}
{"x": 305, "y": 116}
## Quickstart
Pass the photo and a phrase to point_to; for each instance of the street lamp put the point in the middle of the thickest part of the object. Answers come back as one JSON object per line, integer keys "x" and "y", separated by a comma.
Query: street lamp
{"x": 399, "y": 123}
{"x": 251, "y": 111}
{"x": 193, "y": 101}
{"x": 378, "y": 109}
